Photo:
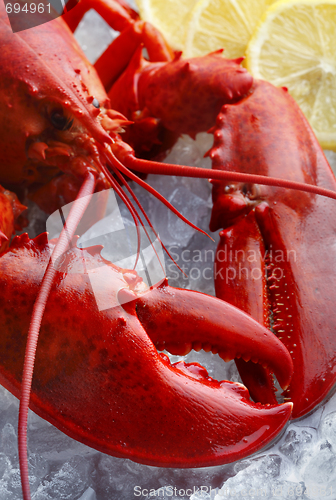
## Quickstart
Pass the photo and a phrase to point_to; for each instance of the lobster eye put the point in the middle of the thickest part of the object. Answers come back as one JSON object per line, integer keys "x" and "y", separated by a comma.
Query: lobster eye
{"x": 59, "y": 120}
{"x": 95, "y": 103}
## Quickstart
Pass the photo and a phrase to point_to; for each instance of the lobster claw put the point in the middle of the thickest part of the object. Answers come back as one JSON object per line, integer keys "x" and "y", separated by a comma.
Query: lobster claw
{"x": 99, "y": 378}
{"x": 217, "y": 422}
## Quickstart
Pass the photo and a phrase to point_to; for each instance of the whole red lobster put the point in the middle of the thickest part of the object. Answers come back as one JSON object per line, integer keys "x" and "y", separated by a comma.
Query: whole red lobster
{"x": 69, "y": 136}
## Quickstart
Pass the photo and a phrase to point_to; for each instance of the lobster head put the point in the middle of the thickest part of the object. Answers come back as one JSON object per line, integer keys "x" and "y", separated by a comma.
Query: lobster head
{"x": 55, "y": 110}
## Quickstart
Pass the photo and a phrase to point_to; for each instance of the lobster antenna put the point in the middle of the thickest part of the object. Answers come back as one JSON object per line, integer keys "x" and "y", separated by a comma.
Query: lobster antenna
{"x": 145, "y": 185}
{"x": 68, "y": 231}
{"x": 130, "y": 190}
{"x": 155, "y": 167}
{"x": 131, "y": 209}
{"x": 125, "y": 170}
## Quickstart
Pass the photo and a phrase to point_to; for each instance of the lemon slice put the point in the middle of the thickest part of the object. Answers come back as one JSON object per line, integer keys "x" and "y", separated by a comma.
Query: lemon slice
{"x": 294, "y": 46}
{"x": 169, "y": 16}
{"x": 228, "y": 24}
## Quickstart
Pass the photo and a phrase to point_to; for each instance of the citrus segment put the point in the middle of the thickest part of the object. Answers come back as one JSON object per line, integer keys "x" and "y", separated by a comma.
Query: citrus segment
{"x": 169, "y": 16}
{"x": 294, "y": 46}
{"x": 228, "y": 24}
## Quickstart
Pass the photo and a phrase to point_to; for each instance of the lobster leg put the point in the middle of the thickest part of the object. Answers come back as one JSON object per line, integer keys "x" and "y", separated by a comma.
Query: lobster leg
{"x": 240, "y": 279}
{"x": 3, "y": 240}
{"x": 114, "y": 61}
{"x": 116, "y": 13}
{"x": 121, "y": 18}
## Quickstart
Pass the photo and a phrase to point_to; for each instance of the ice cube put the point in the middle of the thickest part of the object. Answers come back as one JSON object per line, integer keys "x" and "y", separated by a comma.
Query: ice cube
{"x": 327, "y": 429}
{"x": 94, "y": 35}
{"x": 296, "y": 444}
{"x": 9, "y": 445}
{"x": 321, "y": 468}
{"x": 204, "y": 495}
{"x": 69, "y": 482}
{"x": 262, "y": 478}
{"x": 89, "y": 494}
{"x": 166, "y": 492}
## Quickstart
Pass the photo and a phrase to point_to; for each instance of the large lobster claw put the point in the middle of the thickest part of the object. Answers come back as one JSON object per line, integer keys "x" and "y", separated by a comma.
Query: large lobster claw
{"x": 99, "y": 378}
{"x": 281, "y": 229}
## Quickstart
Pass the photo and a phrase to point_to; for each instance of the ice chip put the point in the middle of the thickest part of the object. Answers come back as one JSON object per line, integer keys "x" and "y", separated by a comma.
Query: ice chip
{"x": 94, "y": 35}
{"x": 89, "y": 494}
{"x": 192, "y": 207}
{"x": 186, "y": 151}
{"x": 295, "y": 445}
{"x": 69, "y": 482}
{"x": 320, "y": 470}
{"x": 5, "y": 465}
{"x": 255, "y": 481}
{"x": 205, "y": 493}
{"x": 9, "y": 445}
{"x": 327, "y": 429}
{"x": 165, "y": 492}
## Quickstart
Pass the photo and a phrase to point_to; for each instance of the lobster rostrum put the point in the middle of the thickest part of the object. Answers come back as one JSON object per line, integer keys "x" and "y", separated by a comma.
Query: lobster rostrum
{"x": 67, "y": 141}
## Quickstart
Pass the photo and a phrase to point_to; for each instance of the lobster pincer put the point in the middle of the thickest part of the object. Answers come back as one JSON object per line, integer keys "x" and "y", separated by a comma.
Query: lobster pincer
{"x": 99, "y": 377}
{"x": 290, "y": 234}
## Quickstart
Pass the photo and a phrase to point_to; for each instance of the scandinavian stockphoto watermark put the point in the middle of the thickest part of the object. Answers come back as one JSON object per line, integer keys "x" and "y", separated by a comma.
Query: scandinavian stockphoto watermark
{"x": 273, "y": 491}
{"x": 175, "y": 492}
{"x": 229, "y": 264}
{"x": 140, "y": 249}
{"x": 276, "y": 491}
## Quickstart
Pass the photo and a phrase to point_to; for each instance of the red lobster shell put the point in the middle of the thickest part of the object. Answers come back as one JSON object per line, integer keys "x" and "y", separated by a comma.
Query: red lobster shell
{"x": 64, "y": 133}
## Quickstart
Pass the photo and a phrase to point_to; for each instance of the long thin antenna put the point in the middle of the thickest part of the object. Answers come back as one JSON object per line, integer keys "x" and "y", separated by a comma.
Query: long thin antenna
{"x": 154, "y": 167}
{"x": 77, "y": 210}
